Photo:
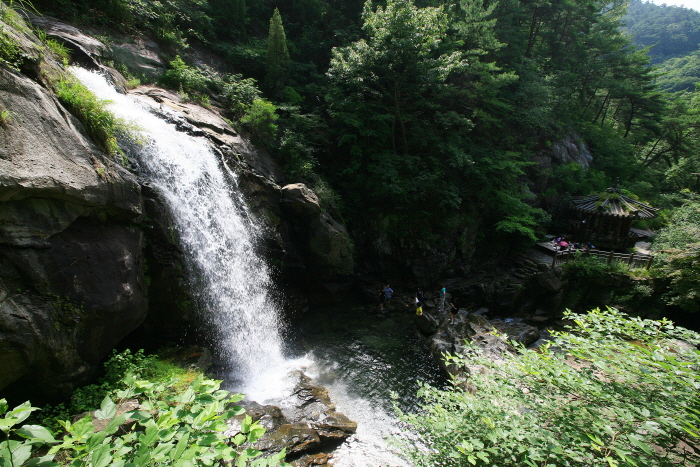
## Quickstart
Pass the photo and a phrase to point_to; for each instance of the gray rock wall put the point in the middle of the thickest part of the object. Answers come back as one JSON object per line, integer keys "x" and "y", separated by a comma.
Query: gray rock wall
{"x": 71, "y": 279}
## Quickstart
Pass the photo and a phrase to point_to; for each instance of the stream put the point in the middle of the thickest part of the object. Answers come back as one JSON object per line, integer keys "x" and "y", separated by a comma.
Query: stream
{"x": 362, "y": 358}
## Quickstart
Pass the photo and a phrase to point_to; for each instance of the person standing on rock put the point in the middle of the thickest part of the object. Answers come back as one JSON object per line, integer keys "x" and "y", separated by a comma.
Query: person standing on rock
{"x": 443, "y": 292}
{"x": 387, "y": 293}
{"x": 453, "y": 313}
{"x": 419, "y": 294}
{"x": 381, "y": 299}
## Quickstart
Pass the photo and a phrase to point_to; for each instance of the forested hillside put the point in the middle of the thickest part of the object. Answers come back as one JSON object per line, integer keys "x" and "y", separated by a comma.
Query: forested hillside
{"x": 673, "y": 35}
{"x": 423, "y": 122}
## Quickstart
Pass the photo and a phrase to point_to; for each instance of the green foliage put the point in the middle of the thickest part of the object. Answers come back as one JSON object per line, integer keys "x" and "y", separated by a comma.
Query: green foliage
{"x": 682, "y": 269}
{"x": 678, "y": 248}
{"x": 173, "y": 22}
{"x": 5, "y": 117}
{"x": 260, "y": 118}
{"x": 683, "y": 228}
{"x": 10, "y": 53}
{"x": 102, "y": 125}
{"x": 184, "y": 77}
{"x": 611, "y": 391}
{"x": 180, "y": 421}
{"x": 239, "y": 94}
{"x": 584, "y": 266}
{"x": 277, "y": 57}
{"x": 669, "y": 30}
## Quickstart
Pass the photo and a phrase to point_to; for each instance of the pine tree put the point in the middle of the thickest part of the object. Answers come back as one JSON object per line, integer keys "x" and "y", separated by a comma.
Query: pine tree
{"x": 277, "y": 53}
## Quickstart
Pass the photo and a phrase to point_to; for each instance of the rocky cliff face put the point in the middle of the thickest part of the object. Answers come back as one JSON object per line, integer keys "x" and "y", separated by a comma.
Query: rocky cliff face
{"x": 71, "y": 282}
{"x": 81, "y": 236}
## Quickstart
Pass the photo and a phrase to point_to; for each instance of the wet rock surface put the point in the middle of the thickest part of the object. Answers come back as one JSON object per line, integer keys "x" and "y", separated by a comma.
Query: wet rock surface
{"x": 306, "y": 424}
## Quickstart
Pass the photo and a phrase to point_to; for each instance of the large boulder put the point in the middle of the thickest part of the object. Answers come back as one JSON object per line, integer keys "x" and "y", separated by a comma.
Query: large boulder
{"x": 306, "y": 424}
{"x": 325, "y": 243}
{"x": 450, "y": 338}
{"x": 70, "y": 247}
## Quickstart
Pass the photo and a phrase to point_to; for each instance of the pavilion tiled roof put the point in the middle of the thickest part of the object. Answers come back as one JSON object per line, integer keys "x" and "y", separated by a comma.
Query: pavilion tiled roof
{"x": 614, "y": 204}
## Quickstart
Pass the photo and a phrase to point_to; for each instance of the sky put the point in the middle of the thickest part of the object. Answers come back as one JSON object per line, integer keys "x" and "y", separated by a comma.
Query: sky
{"x": 694, "y": 4}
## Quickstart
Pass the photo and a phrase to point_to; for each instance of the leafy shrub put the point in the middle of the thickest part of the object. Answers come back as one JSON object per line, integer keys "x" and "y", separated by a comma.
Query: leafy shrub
{"x": 239, "y": 94}
{"x": 5, "y": 117}
{"x": 678, "y": 249}
{"x": 182, "y": 76}
{"x": 583, "y": 266}
{"x": 180, "y": 422}
{"x": 260, "y": 118}
{"x": 591, "y": 397}
{"x": 10, "y": 53}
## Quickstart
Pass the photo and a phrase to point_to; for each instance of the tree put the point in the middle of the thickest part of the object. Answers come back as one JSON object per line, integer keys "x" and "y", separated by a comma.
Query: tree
{"x": 678, "y": 249}
{"x": 277, "y": 57}
{"x": 230, "y": 16}
{"x": 403, "y": 101}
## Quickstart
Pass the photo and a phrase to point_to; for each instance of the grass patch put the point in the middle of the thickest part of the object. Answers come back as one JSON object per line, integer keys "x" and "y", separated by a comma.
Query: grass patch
{"x": 10, "y": 53}
{"x": 102, "y": 125}
{"x": 5, "y": 117}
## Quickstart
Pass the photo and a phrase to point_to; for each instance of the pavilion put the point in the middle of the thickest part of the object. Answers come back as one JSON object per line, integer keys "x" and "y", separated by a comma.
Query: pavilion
{"x": 605, "y": 219}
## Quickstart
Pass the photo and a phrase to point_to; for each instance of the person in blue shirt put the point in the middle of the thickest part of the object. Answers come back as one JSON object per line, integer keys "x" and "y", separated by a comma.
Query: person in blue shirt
{"x": 387, "y": 293}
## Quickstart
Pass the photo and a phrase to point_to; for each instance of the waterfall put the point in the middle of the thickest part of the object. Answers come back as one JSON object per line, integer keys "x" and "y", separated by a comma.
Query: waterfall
{"x": 232, "y": 282}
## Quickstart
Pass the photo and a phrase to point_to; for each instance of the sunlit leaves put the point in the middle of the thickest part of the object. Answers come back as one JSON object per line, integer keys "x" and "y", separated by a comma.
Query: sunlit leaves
{"x": 591, "y": 398}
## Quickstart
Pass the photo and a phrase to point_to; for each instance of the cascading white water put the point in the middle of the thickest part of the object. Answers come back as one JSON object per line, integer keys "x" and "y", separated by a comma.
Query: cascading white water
{"x": 232, "y": 282}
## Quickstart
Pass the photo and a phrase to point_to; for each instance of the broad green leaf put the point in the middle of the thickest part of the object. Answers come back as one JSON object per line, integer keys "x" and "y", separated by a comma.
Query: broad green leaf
{"x": 107, "y": 409}
{"x": 180, "y": 447}
{"x": 21, "y": 412}
{"x": 635, "y": 439}
{"x": 115, "y": 423}
{"x": 101, "y": 457}
{"x": 36, "y": 432}
{"x": 95, "y": 440}
{"x": 45, "y": 461}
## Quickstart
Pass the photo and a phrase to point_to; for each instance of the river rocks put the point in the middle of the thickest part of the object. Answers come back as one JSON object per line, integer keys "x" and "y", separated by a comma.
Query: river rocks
{"x": 549, "y": 281}
{"x": 517, "y": 330}
{"x": 306, "y": 424}
{"x": 83, "y": 48}
{"x": 141, "y": 55}
{"x": 449, "y": 338}
{"x": 426, "y": 324}
{"x": 70, "y": 247}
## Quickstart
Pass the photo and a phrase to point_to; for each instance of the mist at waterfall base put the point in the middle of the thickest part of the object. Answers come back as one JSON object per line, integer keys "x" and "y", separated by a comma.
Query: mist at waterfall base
{"x": 359, "y": 360}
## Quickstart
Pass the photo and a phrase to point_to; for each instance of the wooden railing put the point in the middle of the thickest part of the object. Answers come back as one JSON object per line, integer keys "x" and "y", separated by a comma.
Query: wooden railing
{"x": 633, "y": 260}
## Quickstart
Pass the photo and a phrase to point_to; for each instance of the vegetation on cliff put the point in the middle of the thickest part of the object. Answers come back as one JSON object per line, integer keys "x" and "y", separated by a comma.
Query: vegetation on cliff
{"x": 610, "y": 391}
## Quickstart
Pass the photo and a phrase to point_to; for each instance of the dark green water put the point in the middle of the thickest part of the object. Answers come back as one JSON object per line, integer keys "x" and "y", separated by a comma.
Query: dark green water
{"x": 362, "y": 358}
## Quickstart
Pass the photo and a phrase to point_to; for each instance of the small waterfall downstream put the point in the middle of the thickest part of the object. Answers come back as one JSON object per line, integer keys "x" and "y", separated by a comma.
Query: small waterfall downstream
{"x": 232, "y": 282}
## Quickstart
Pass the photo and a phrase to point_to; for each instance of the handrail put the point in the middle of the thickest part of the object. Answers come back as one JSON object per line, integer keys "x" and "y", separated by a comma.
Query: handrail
{"x": 633, "y": 260}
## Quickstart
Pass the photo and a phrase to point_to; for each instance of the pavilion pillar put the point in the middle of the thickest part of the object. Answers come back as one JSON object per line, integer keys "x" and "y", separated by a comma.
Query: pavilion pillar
{"x": 616, "y": 235}
{"x": 586, "y": 227}
{"x": 599, "y": 227}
